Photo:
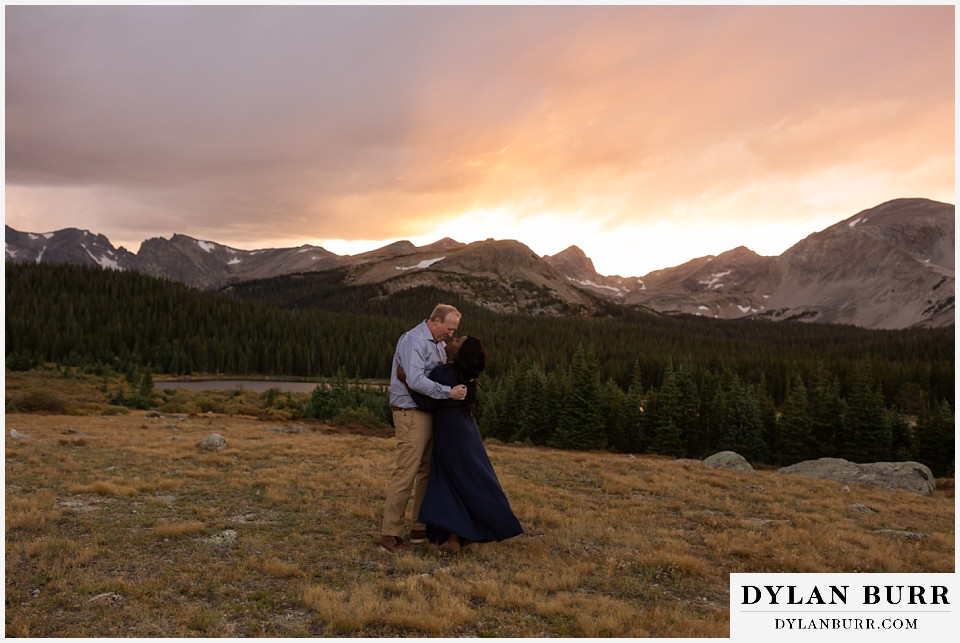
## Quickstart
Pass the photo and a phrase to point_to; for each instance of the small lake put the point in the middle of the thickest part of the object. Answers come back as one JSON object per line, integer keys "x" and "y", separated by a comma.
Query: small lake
{"x": 257, "y": 386}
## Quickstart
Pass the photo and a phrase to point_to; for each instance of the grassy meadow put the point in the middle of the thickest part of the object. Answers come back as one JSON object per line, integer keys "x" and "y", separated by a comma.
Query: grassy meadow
{"x": 119, "y": 525}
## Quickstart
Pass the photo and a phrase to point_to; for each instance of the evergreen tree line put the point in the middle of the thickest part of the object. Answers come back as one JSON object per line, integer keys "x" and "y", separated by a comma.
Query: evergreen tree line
{"x": 696, "y": 413}
{"x": 79, "y": 315}
{"x": 719, "y": 374}
{"x": 620, "y": 336}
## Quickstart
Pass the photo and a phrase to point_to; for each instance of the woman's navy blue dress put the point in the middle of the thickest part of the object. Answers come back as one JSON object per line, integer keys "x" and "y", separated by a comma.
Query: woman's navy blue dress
{"x": 463, "y": 494}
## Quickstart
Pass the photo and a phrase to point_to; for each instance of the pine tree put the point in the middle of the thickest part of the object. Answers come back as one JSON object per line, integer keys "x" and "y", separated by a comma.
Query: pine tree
{"x": 770, "y": 432}
{"x": 146, "y": 384}
{"x": 742, "y": 428}
{"x": 489, "y": 418}
{"x": 936, "y": 439}
{"x": 613, "y": 403}
{"x": 868, "y": 437}
{"x": 827, "y": 413}
{"x": 667, "y": 438}
{"x": 903, "y": 447}
{"x": 510, "y": 404}
{"x": 687, "y": 416}
{"x": 630, "y": 435}
{"x": 713, "y": 401}
{"x": 796, "y": 427}
{"x": 580, "y": 425}
{"x": 329, "y": 398}
{"x": 533, "y": 402}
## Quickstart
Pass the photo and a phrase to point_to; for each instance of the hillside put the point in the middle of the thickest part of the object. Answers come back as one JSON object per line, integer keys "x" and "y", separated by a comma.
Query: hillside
{"x": 122, "y": 526}
{"x": 891, "y": 266}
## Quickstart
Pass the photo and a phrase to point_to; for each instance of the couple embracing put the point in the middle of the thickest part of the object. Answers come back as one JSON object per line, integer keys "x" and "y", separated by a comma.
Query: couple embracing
{"x": 441, "y": 460}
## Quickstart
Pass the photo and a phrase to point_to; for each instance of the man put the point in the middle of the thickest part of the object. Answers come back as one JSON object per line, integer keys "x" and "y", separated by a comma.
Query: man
{"x": 418, "y": 351}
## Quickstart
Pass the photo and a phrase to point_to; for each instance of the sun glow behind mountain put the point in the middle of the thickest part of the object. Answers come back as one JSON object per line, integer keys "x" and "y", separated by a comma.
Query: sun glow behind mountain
{"x": 646, "y": 135}
{"x": 627, "y": 250}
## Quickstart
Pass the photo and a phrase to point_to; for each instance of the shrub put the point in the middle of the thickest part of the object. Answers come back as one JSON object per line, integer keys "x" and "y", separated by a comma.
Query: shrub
{"x": 40, "y": 401}
{"x": 22, "y": 361}
{"x": 207, "y": 405}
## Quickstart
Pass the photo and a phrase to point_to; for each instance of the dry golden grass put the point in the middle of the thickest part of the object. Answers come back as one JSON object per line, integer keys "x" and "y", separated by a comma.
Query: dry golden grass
{"x": 104, "y": 488}
{"x": 180, "y": 528}
{"x": 281, "y": 569}
{"x": 141, "y": 533}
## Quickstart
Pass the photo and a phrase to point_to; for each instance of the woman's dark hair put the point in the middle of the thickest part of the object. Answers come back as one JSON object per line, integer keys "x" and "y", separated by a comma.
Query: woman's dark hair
{"x": 469, "y": 364}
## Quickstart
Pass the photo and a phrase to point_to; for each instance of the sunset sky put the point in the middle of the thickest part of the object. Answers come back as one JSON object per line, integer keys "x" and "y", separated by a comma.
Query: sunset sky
{"x": 645, "y": 135}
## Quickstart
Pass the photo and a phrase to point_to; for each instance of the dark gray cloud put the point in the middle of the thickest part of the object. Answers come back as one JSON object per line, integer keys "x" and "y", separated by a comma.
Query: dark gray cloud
{"x": 253, "y": 123}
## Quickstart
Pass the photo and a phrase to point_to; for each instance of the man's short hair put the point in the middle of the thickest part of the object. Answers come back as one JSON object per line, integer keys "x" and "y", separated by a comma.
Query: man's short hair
{"x": 442, "y": 310}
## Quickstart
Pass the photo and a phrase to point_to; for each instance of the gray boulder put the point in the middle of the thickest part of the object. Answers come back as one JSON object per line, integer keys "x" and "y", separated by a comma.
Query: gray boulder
{"x": 910, "y": 476}
{"x": 214, "y": 442}
{"x": 728, "y": 460}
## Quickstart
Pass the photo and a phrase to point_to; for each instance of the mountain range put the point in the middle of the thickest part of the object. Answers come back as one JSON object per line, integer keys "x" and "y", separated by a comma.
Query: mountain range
{"x": 891, "y": 266}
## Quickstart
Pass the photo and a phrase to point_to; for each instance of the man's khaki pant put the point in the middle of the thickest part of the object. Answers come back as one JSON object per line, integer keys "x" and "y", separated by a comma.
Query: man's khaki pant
{"x": 414, "y": 432}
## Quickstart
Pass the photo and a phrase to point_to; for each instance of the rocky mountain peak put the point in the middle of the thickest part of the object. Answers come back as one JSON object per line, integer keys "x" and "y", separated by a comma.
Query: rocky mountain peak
{"x": 895, "y": 261}
{"x": 740, "y": 253}
{"x": 891, "y": 266}
{"x": 442, "y": 245}
{"x": 395, "y": 249}
{"x": 574, "y": 263}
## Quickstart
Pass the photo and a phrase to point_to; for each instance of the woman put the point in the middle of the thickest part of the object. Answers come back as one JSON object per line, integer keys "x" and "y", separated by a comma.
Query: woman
{"x": 464, "y": 502}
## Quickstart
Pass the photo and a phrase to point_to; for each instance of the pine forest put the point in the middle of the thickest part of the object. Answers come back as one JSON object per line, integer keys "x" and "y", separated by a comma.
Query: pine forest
{"x": 624, "y": 380}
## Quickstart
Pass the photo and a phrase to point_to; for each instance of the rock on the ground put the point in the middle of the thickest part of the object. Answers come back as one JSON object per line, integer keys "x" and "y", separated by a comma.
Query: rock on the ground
{"x": 214, "y": 442}
{"x": 728, "y": 460}
{"x": 910, "y": 476}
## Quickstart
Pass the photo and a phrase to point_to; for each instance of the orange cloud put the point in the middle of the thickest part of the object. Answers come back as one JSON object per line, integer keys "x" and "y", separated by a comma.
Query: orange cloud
{"x": 249, "y": 124}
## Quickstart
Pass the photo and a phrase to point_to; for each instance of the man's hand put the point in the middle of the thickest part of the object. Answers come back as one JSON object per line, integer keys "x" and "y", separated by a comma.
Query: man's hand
{"x": 458, "y": 392}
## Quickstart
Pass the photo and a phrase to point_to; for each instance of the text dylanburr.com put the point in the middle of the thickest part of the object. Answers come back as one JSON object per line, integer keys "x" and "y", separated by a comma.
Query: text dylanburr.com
{"x": 843, "y": 607}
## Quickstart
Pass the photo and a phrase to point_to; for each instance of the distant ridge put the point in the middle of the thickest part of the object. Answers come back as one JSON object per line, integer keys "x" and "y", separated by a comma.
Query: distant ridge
{"x": 891, "y": 266}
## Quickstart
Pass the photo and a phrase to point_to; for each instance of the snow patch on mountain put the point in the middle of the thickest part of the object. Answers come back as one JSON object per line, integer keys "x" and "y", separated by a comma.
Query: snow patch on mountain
{"x": 426, "y": 263}
{"x": 592, "y": 284}
{"x": 103, "y": 261}
{"x": 713, "y": 281}
{"x": 206, "y": 245}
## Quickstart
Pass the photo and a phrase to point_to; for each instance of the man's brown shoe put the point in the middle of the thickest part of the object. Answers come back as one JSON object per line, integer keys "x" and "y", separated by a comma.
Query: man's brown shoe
{"x": 393, "y": 544}
{"x": 418, "y": 536}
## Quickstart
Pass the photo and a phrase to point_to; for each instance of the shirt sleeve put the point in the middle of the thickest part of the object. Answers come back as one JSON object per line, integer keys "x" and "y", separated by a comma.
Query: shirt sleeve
{"x": 413, "y": 357}
{"x": 440, "y": 374}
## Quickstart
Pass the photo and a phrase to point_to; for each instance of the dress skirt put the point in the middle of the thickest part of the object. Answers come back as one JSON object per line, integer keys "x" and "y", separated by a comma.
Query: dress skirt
{"x": 463, "y": 494}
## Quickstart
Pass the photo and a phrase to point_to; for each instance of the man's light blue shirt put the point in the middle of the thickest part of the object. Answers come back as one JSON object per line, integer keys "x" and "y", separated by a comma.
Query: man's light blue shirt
{"x": 418, "y": 353}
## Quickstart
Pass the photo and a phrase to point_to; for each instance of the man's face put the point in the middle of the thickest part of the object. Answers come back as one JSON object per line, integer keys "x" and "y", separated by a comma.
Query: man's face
{"x": 453, "y": 347}
{"x": 442, "y": 329}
